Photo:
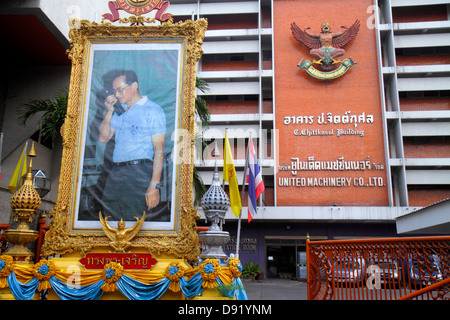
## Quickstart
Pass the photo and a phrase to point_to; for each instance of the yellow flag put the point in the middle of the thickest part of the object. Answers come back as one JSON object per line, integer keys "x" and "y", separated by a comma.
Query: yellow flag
{"x": 229, "y": 174}
{"x": 21, "y": 169}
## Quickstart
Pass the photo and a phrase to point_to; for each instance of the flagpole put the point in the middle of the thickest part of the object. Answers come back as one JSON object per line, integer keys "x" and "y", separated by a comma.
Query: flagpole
{"x": 238, "y": 239}
{"x": 224, "y": 157}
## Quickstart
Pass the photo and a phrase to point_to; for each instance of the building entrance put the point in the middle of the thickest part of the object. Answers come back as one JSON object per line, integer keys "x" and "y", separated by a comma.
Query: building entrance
{"x": 280, "y": 261}
{"x": 285, "y": 258}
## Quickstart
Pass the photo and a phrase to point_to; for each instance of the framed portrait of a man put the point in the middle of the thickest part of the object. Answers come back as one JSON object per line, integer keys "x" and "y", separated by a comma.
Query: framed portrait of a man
{"x": 127, "y": 138}
{"x": 133, "y": 104}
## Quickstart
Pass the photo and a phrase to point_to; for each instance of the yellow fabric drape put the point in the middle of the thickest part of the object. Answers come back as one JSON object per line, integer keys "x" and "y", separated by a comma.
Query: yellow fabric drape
{"x": 225, "y": 275}
{"x": 144, "y": 277}
{"x": 24, "y": 273}
{"x": 86, "y": 277}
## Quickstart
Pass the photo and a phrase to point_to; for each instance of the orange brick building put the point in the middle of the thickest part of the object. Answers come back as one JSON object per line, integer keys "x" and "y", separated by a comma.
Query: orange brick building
{"x": 400, "y": 79}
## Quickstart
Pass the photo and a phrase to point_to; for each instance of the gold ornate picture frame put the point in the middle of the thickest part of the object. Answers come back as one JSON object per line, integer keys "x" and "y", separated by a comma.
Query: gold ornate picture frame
{"x": 164, "y": 59}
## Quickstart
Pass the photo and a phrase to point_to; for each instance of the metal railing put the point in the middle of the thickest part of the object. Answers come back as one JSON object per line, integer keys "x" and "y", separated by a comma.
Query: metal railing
{"x": 379, "y": 269}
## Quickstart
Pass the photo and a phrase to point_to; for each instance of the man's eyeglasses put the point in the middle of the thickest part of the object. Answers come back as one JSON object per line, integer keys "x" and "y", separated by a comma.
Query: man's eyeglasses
{"x": 119, "y": 90}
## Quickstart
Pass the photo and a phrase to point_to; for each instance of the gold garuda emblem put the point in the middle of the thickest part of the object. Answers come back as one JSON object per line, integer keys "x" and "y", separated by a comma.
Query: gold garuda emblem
{"x": 120, "y": 237}
{"x": 327, "y": 47}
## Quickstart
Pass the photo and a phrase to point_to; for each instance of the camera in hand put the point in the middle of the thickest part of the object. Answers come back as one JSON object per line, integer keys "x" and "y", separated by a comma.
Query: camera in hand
{"x": 117, "y": 106}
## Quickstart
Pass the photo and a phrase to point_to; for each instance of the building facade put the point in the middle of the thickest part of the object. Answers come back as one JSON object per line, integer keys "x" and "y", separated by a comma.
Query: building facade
{"x": 398, "y": 92}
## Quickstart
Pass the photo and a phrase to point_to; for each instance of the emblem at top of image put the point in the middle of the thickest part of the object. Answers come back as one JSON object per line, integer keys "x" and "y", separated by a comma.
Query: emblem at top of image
{"x": 327, "y": 49}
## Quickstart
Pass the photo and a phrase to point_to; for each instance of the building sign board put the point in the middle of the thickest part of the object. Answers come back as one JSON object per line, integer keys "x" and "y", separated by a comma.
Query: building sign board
{"x": 331, "y": 143}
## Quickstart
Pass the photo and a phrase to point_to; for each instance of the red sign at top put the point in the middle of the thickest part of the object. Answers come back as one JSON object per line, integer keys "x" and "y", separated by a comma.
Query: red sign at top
{"x": 133, "y": 261}
{"x": 138, "y": 7}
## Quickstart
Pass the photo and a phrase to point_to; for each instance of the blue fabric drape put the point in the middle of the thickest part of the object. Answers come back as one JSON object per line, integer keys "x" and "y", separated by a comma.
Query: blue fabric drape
{"x": 236, "y": 289}
{"x": 90, "y": 292}
{"x": 22, "y": 291}
{"x": 240, "y": 292}
{"x": 193, "y": 287}
{"x": 135, "y": 290}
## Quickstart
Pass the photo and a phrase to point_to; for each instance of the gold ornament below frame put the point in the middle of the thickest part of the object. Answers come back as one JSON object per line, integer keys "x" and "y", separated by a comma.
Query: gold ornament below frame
{"x": 183, "y": 243}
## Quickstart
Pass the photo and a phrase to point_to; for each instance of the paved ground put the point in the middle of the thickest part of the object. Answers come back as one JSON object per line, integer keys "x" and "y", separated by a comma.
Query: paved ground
{"x": 276, "y": 289}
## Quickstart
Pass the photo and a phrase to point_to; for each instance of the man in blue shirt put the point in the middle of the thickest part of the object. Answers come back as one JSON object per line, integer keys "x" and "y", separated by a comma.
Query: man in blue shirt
{"x": 132, "y": 186}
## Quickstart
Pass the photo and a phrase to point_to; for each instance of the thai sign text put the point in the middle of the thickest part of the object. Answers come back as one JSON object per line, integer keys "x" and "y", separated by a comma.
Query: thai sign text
{"x": 127, "y": 260}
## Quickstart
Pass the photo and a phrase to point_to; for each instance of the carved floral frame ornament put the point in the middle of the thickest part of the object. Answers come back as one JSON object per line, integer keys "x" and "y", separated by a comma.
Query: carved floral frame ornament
{"x": 182, "y": 242}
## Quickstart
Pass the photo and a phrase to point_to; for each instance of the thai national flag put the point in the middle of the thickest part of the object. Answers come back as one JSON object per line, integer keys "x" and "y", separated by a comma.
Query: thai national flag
{"x": 255, "y": 183}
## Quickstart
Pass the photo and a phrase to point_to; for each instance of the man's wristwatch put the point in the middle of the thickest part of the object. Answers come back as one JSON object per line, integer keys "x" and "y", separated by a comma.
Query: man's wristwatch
{"x": 155, "y": 185}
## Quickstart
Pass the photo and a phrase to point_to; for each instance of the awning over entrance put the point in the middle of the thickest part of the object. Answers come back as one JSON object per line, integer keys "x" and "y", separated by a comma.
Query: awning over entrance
{"x": 431, "y": 220}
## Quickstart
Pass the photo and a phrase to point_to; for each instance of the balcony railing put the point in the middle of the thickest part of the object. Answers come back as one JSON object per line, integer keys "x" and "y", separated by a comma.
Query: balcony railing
{"x": 379, "y": 269}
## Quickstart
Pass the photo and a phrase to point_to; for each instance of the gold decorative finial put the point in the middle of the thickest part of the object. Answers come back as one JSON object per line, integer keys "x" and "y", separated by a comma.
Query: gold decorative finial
{"x": 32, "y": 152}
{"x": 26, "y": 197}
{"x": 24, "y": 203}
{"x": 31, "y": 155}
